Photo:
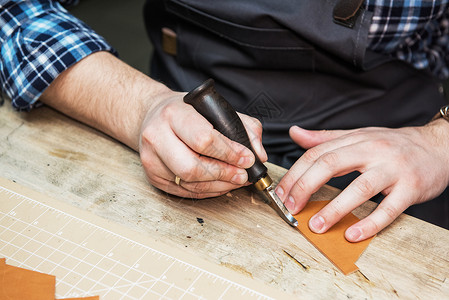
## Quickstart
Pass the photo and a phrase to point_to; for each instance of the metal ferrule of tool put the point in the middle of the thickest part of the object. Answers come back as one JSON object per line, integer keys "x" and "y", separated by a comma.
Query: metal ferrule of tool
{"x": 224, "y": 118}
{"x": 265, "y": 185}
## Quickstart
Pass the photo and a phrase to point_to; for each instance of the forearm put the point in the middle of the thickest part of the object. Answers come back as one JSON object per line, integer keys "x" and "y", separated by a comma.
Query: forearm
{"x": 107, "y": 94}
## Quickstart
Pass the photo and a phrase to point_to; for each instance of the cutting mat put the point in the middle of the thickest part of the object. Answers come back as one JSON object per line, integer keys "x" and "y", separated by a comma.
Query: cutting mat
{"x": 92, "y": 256}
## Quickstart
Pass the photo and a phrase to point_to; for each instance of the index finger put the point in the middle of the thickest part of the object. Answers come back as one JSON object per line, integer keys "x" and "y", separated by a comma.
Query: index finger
{"x": 200, "y": 136}
{"x": 314, "y": 168}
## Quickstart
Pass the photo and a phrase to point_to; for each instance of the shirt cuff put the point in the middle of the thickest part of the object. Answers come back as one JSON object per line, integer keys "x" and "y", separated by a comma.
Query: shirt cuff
{"x": 47, "y": 41}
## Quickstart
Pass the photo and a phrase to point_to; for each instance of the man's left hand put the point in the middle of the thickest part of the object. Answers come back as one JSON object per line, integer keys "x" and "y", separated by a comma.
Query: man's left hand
{"x": 408, "y": 165}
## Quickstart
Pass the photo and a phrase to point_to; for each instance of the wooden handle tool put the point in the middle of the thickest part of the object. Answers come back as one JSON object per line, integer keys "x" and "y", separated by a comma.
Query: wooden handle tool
{"x": 220, "y": 113}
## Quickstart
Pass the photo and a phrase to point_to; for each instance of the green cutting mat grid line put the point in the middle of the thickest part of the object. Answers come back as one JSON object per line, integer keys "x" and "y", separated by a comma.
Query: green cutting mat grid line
{"x": 90, "y": 260}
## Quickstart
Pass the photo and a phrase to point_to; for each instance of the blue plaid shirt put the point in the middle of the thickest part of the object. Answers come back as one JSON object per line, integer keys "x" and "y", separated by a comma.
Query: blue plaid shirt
{"x": 39, "y": 39}
{"x": 415, "y": 31}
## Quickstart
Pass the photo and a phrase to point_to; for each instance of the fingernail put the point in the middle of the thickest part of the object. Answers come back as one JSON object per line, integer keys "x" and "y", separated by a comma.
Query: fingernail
{"x": 245, "y": 161}
{"x": 316, "y": 224}
{"x": 257, "y": 148}
{"x": 261, "y": 151}
{"x": 295, "y": 128}
{"x": 239, "y": 178}
{"x": 290, "y": 203}
{"x": 279, "y": 191}
{"x": 354, "y": 234}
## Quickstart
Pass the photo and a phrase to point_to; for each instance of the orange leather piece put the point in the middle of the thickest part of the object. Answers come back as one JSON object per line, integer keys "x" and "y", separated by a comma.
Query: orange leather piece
{"x": 86, "y": 298}
{"x": 18, "y": 283}
{"x": 333, "y": 244}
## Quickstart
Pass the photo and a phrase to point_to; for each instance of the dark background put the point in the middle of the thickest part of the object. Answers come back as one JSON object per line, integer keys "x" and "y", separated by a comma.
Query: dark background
{"x": 120, "y": 22}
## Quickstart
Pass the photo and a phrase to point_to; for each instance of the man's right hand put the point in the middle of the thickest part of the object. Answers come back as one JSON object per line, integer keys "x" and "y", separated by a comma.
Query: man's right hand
{"x": 176, "y": 140}
{"x": 172, "y": 138}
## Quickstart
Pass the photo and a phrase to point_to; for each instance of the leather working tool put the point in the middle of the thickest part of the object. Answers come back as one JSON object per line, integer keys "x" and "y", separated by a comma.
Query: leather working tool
{"x": 223, "y": 117}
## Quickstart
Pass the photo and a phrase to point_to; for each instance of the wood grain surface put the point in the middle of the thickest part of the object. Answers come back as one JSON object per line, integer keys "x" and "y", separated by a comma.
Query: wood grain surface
{"x": 68, "y": 161}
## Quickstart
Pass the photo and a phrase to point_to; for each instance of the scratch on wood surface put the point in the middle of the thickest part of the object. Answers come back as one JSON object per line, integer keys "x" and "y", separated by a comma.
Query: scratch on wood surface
{"x": 364, "y": 276}
{"x": 296, "y": 261}
{"x": 304, "y": 253}
{"x": 396, "y": 293}
{"x": 253, "y": 201}
{"x": 436, "y": 279}
{"x": 237, "y": 268}
{"x": 67, "y": 154}
{"x": 392, "y": 288}
{"x": 281, "y": 265}
{"x": 339, "y": 287}
{"x": 14, "y": 130}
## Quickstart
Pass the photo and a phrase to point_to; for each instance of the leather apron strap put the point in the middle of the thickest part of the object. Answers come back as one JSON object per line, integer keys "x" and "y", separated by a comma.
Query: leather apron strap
{"x": 346, "y": 12}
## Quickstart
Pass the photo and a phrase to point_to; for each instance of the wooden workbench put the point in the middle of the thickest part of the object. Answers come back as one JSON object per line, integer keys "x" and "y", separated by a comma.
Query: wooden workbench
{"x": 59, "y": 157}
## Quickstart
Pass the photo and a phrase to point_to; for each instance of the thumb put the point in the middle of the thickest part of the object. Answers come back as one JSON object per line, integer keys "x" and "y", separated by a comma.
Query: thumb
{"x": 311, "y": 138}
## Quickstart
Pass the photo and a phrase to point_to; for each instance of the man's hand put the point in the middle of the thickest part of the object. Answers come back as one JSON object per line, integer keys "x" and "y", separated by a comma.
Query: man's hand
{"x": 408, "y": 165}
{"x": 172, "y": 138}
{"x": 177, "y": 140}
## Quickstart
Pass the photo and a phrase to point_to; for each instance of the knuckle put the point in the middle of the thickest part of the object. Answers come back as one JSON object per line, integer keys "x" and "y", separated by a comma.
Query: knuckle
{"x": 336, "y": 209}
{"x": 382, "y": 144}
{"x": 199, "y": 170}
{"x": 300, "y": 185}
{"x": 145, "y": 160}
{"x": 363, "y": 187}
{"x": 187, "y": 173}
{"x": 167, "y": 111}
{"x": 221, "y": 173}
{"x": 147, "y": 137}
{"x": 312, "y": 155}
{"x": 372, "y": 225}
{"x": 389, "y": 211}
{"x": 287, "y": 182}
{"x": 148, "y": 161}
{"x": 201, "y": 187}
{"x": 400, "y": 158}
{"x": 415, "y": 182}
{"x": 204, "y": 143}
{"x": 205, "y": 172}
{"x": 329, "y": 160}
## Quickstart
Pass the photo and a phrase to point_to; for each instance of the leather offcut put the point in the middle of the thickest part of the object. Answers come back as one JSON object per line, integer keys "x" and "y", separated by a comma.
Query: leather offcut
{"x": 19, "y": 283}
{"x": 333, "y": 244}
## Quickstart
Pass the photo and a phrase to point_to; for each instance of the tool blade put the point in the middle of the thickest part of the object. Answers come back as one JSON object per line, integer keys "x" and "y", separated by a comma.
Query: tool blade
{"x": 279, "y": 207}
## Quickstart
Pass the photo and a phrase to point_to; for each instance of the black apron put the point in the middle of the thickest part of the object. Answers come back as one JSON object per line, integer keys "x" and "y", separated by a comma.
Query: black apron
{"x": 289, "y": 63}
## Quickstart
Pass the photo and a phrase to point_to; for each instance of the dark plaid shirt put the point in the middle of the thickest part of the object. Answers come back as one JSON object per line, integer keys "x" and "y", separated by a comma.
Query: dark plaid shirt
{"x": 415, "y": 31}
{"x": 39, "y": 39}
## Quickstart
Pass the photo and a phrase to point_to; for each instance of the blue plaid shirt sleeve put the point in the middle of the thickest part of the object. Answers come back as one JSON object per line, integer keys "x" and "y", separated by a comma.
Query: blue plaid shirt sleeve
{"x": 416, "y": 32}
{"x": 38, "y": 40}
